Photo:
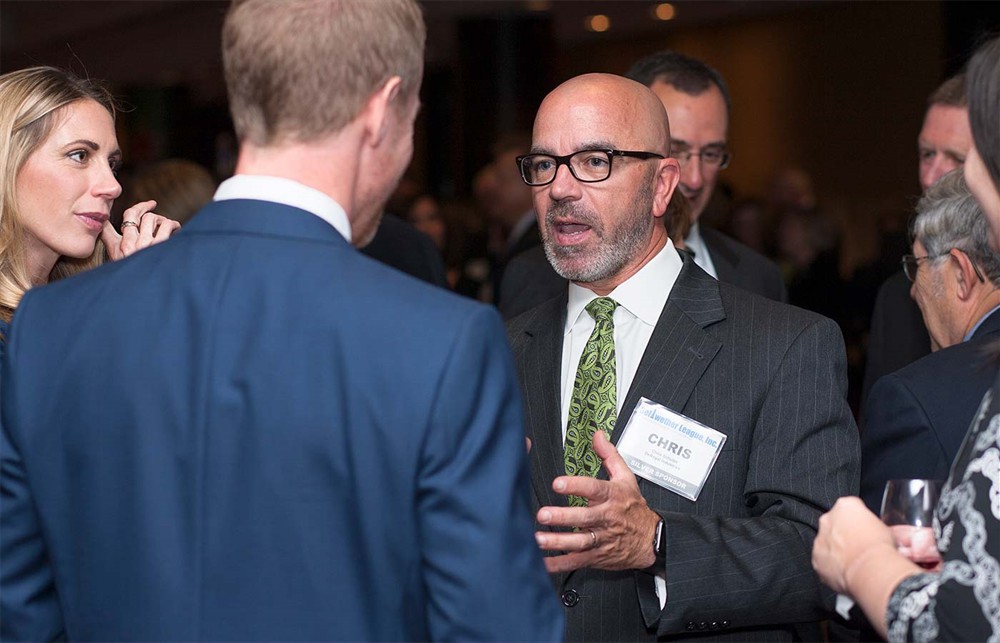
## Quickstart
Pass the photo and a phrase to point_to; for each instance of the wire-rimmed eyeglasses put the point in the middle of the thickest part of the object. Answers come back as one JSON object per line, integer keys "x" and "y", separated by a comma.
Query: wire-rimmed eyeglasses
{"x": 586, "y": 166}
{"x": 717, "y": 157}
{"x": 912, "y": 262}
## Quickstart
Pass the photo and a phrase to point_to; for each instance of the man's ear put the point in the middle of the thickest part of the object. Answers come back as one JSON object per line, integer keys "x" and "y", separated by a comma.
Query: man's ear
{"x": 668, "y": 175}
{"x": 964, "y": 273}
{"x": 376, "y": 111}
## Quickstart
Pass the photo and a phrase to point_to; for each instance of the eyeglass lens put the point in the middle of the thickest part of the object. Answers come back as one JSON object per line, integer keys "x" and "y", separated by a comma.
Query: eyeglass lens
{"x": 586, "y": 165}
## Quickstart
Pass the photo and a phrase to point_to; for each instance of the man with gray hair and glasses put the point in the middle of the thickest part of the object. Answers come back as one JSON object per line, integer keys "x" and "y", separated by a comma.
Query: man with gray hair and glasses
{"x": 916, "y": 417}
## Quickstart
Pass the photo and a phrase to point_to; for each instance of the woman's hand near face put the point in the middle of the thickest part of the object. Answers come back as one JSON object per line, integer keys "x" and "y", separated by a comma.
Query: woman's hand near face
{"x": 141, "y": 227}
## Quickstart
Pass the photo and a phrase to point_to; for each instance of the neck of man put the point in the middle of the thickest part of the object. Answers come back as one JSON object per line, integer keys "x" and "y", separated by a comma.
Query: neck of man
{"x": 329, "y": 165}
{"x": 656, "y": 243}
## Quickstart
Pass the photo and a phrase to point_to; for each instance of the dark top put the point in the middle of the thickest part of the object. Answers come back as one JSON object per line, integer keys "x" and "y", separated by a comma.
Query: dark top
{"x": 918, "y": 416}
{"x": 403, "y": 247}
{"x": 898, "y": 334}
{"x": 961, "y": 602}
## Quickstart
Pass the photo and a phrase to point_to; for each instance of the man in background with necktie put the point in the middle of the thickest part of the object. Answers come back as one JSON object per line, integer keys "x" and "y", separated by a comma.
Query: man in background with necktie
{"x": 731, "y": 405}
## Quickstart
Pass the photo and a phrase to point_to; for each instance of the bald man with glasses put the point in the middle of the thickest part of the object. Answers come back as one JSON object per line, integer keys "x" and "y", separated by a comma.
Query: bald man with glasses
{"x": 698, "y": 105}
{"x": 686, "y": 434}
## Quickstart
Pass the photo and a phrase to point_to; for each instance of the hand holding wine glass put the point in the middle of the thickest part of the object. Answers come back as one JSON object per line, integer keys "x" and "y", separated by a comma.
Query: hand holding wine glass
{"x": 908, "y": 509}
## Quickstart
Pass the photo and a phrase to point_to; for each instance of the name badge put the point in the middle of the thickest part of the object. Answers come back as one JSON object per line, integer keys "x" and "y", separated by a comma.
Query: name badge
{"x": 669, "y": 449}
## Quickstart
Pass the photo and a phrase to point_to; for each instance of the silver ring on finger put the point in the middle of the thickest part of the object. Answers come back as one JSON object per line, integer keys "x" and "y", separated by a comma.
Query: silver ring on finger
{"x": 593, "y": 539}
{"x": 126, "y": 224}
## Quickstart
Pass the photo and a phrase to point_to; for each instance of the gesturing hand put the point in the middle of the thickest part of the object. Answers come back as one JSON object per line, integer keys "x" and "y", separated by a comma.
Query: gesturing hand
{"x": 615, "y": 529}
{"x": 141, "y": 227}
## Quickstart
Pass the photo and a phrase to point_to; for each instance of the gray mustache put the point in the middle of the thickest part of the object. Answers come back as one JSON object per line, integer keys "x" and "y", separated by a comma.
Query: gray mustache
{"x": 570, "y": 210}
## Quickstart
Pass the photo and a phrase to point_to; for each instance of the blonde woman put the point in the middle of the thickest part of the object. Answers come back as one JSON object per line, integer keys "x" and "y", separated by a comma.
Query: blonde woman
{"x": 58, "y": 159}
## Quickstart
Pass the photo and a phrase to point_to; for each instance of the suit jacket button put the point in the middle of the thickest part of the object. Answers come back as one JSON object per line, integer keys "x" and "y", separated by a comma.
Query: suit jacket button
{"x": 725, "y": 623}
{"x": 702, "y": 625}
{"x": 570, "y": 598}
{"x": 714, "y": 625}
{"x": 690, "y": 625}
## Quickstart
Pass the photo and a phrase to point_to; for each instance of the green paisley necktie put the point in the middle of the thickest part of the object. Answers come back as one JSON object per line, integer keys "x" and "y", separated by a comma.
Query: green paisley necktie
{"x": 595, "y": 395}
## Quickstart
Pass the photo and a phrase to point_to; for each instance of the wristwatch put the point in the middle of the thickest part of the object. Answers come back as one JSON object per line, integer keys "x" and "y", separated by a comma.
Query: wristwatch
{"x": 660, "y": 544}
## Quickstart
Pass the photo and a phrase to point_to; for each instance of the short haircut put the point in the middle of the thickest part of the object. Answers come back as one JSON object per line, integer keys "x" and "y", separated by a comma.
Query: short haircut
{"x": 948, "y": 216}
{"x": 298, "y": 70}
{"x": 950, "y": 93}
{"x": 31, "y": 102}
{"x": 686, "y": 74}
{"x": 983, "y": 87}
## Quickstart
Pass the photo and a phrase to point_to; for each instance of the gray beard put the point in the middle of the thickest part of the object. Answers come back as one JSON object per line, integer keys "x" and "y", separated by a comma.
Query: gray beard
{"x": 613, "y": 253}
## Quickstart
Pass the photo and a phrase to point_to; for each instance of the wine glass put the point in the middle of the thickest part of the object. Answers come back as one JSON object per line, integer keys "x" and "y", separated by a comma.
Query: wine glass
{"x": 908, "y": 509}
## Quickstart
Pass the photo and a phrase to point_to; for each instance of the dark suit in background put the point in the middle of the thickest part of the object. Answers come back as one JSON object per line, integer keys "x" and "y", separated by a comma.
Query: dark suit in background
{"x": 742, "y": 266}
{"x": 528, "y": 281}
{"x": 530, "y": 238}
{"x": 772, "y": 378}
{"x": 898, "y": 334}
{"x": 917, "y": 417}
{"x": 400, "y": 245}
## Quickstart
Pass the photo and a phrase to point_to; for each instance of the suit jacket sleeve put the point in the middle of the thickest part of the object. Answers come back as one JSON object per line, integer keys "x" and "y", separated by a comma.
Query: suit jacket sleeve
{"x": 804, "y": 454}
{"x": 475, "y": 450}
{"x": 29, "y": 604}
{"x": 899, "y": 441}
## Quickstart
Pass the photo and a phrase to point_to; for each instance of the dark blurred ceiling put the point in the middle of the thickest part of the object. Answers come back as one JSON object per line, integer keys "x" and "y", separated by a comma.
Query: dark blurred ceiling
{"x": 28, "y": 26}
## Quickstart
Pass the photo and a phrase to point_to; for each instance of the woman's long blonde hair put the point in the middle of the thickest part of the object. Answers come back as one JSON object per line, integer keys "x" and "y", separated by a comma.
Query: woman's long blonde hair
{"x": 29, "y": 100}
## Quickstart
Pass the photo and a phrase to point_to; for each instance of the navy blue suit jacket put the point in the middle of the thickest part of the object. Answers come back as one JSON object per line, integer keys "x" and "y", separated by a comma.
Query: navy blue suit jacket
{"x": 917, "y": 417}
{"x": 255, "y": 432}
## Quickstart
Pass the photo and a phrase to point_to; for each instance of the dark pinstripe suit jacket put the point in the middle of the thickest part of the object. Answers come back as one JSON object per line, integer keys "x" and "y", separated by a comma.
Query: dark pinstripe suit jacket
{"x": 771, "y": 377}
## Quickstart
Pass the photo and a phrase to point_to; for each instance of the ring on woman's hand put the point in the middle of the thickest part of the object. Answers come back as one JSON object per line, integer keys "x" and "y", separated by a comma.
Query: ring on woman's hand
{"x": 593, "y": 539}
{"x": 126, "y": 224}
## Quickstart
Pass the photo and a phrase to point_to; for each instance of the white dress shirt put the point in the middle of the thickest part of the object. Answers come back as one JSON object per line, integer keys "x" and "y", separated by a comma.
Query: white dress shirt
{"x": 640, "y": 301}
{"x": 286, "y": 192}
{"x": 696, "y": 244}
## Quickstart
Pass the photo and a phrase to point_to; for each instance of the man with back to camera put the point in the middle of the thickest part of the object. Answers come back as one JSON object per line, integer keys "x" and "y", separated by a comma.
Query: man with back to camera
{"x": 283, "y": 440}
{"x": 917, "y": 416}
{"x": 697, "y": 100}
{"x": 898, "y": 335}
{"x": 634, "y": 560}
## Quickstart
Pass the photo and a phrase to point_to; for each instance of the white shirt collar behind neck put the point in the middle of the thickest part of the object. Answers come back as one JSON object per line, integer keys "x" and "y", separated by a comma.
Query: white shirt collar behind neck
{"x": 286, "y": 192}
{"x": 696, "y": 244}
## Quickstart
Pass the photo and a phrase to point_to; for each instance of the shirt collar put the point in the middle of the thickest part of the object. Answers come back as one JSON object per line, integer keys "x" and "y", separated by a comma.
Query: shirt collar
{"x": 286, "y": 192}
{"x": 694, "y": 240}
{"x": 644, "y": 294}
{"x": 972, "y": 331}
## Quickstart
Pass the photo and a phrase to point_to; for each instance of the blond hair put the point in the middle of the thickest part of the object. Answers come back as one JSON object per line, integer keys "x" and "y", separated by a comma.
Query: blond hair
{"x": 298, "y": 70}
{"x": 30, "y": 100}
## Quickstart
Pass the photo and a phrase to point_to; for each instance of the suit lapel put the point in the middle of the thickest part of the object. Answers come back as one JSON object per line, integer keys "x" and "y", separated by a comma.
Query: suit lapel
{"x": 680, "y": 350}
{"x": 542, "y": 365}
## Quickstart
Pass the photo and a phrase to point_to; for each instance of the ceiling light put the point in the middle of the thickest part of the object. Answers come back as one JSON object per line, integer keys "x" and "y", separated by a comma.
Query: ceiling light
{"x": 598, "y": 23}
{"x": 664, "y": 11}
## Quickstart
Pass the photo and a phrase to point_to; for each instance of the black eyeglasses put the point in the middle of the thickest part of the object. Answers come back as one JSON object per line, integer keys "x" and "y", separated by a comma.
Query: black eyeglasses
{"x": 586, "y": 166}
{"x": 911, "y": 263}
